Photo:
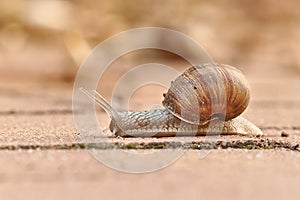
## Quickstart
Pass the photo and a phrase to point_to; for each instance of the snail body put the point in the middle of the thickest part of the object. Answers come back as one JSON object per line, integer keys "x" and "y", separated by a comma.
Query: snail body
{"x": 162, "y": 123}
{"x": 205, "y": 99}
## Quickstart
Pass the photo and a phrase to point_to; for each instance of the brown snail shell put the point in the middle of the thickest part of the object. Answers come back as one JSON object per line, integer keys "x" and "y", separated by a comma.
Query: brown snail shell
{"x": 207, "y": 91}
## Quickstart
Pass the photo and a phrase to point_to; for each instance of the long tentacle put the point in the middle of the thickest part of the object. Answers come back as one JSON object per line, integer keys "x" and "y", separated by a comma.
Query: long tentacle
{"x": 102, "y": 102}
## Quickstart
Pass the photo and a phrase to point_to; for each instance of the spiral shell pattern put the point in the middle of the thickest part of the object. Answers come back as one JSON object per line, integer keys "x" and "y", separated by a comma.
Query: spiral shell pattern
{"x": 208, "y": 91}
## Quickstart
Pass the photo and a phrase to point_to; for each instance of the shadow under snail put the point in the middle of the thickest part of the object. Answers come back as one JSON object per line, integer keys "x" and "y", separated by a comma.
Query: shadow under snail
{"x": 205, "y": 99}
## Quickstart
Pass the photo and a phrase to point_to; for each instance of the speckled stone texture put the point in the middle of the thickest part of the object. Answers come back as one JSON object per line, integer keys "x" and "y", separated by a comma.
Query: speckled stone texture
{"x": 42, "y": 154}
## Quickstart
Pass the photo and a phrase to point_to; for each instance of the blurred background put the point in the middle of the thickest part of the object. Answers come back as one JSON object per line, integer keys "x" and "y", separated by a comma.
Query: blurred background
{"x": 46, "y": 40}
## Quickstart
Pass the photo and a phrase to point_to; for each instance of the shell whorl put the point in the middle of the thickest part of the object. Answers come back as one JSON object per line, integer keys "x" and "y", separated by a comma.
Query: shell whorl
{"x": 207, "y": 91}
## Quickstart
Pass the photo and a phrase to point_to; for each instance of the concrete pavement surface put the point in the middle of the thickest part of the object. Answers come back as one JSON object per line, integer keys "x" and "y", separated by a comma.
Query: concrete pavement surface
{"x": 42, "y": 155}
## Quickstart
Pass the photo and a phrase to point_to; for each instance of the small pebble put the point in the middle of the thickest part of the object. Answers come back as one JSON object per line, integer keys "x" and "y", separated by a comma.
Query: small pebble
{"x": 284, "y": 134}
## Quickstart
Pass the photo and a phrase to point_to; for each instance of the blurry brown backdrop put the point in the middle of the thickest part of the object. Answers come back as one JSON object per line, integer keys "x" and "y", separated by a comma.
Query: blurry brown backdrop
{"x": 46, "y": 40}
{"x": 42, "y": 44}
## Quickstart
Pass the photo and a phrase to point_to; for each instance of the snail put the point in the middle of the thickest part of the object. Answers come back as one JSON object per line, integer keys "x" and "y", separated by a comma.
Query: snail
{"x": 205, "y": 98}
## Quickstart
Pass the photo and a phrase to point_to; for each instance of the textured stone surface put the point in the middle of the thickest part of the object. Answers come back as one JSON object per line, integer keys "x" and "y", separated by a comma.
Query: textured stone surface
{"x": 42, "y": 155}
{"x": 69, "y": 174}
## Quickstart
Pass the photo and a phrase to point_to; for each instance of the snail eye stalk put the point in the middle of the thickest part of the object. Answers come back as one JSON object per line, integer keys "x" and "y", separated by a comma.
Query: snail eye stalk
{"x": 100, "y": 100}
